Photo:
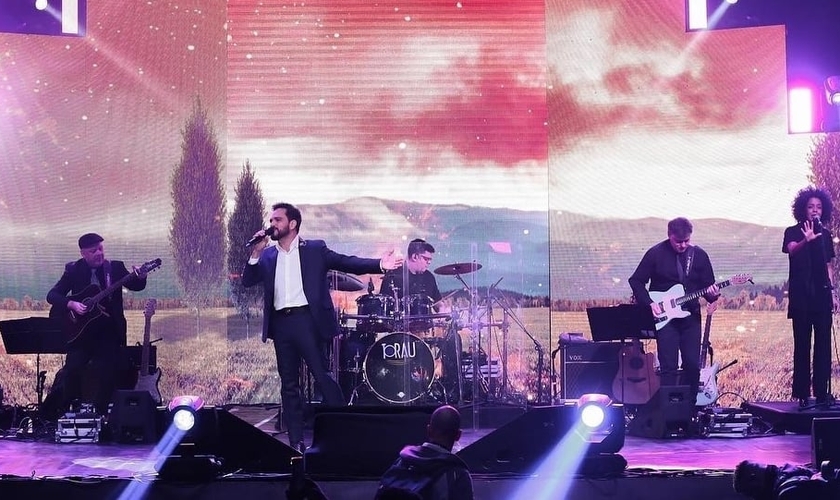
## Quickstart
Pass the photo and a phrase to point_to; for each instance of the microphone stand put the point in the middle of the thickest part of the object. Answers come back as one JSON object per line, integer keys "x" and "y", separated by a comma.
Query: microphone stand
{"x": 537, "y": 346}
{"x": 827, "y": 286}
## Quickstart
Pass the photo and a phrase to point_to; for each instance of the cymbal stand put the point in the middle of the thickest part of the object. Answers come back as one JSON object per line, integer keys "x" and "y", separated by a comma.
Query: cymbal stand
{"x": 475, "y": 327}
{"x": 503, "y": 303}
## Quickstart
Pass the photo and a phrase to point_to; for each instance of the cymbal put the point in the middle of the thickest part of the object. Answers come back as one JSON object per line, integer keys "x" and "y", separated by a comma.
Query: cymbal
{"x": 343, "y": 282}
{"x": 459, "y": 268}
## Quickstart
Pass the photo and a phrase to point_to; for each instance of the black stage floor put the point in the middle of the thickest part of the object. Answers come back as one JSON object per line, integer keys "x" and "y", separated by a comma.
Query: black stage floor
{"x": 684, "y": 468}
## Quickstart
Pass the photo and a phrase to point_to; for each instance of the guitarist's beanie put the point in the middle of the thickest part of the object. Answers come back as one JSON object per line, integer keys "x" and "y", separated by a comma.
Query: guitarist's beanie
{"x": 89, "y": 240}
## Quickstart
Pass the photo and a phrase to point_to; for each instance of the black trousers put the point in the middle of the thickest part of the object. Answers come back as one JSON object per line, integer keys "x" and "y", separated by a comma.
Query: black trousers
{"x": 100, "y": 347}
{"x": 804, "y": 322}
{"x": 680, "y": 338}
{"x": 296, "y": 338}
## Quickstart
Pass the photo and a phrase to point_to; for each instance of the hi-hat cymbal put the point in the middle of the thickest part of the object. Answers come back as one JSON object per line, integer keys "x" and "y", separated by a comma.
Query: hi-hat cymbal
{"x": 343, "y": 282}
{"x": 459, "y": 268}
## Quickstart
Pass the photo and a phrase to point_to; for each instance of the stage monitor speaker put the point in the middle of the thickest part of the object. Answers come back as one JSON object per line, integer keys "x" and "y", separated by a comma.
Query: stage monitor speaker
{"x": 589, "y": 368}
{"x": 239, "y": 445}
{"x": 520, "y": 445}
{"x": 132, "y": 417}
{"x": 825, "y": 441}
{"x": 667, "y": 414}
{"x": 362, "y": 444}
{"x": 135, "y": 356}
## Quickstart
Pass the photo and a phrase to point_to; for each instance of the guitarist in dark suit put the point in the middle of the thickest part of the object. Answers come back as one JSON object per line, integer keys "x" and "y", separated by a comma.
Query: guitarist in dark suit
{"x": 299, "y": 315}
{"x": 103, "y": 340}
{"x": 668, "y": 263}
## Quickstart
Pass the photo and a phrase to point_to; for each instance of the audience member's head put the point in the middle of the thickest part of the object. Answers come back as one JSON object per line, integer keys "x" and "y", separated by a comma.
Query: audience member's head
{"x": 444, "y": 427}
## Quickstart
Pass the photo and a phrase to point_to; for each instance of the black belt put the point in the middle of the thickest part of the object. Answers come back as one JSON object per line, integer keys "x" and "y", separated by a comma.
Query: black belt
{"x": 288, "y": 311}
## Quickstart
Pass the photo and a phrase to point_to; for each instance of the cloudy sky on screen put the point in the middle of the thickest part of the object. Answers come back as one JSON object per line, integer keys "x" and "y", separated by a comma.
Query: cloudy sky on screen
{"x": 429, "y": 101}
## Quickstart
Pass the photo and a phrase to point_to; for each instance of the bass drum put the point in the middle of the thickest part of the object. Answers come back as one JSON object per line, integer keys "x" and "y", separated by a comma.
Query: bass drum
{"x": 399, "y": 368}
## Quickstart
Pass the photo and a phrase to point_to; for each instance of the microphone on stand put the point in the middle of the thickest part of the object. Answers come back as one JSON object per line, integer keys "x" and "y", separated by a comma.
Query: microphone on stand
{"x": 817, "y": 223}
{"x": 256, "y": 239}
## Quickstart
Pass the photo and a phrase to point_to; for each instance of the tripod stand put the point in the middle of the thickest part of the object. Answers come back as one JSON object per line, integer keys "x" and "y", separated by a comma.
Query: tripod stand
{"x": 34, "y": 336}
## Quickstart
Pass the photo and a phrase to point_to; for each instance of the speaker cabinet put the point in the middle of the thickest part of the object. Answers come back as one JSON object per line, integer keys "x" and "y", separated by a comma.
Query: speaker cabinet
{"x": 132, "y": 417}
{"x": 825, "y": 441}
{"x": 237, "y": 444}
{"x": 589, "y": 368}
{"x": 668, "y": 414}
{"x": 134, "y": 353}
{"x": 362, "y": 444}
{"x": 521, "y": 445}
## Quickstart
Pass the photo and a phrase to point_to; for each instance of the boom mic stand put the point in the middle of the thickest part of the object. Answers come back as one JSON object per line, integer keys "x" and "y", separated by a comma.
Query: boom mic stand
{"x": 503, "y": 303}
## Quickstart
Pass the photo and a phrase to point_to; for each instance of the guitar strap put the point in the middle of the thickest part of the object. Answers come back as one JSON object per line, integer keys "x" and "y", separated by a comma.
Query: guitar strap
{"x": 107, "y": 267}
{"x": 689, "y": 258}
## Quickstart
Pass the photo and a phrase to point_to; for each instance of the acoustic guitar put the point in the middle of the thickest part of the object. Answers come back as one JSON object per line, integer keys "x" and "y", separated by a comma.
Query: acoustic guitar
{"x": 146, "y": 380}
{"x": 636, "y": 381}
{"x": 73, "y": 324}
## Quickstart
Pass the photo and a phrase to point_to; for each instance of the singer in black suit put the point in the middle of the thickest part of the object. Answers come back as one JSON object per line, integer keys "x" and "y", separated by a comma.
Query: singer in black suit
{"x": 812, "y": 295}
{"x": 102, "y": 342}
{"x": 299, "y": 315}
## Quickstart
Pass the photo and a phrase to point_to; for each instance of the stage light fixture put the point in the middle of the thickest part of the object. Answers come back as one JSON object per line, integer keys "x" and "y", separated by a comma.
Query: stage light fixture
{"x": 832, "y": 90}
{"x": 592, "y": 410}
{"x": 183, "y": 410}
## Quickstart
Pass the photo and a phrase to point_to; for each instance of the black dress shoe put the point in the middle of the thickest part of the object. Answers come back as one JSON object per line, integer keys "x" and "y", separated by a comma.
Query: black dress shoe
{"x": 824, "y": 401}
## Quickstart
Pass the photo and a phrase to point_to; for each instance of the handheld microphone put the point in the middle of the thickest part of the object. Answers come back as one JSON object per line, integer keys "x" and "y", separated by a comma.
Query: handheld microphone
{"x": 268, "y": 232}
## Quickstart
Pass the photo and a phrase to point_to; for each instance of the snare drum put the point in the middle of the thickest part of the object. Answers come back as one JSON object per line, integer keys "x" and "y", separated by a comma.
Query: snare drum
{"x": 399, "y": 368}
{"x": 375, "y": 313}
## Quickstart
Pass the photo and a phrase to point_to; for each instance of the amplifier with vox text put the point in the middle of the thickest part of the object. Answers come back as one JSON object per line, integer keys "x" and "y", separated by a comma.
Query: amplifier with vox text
{"x": 588, "y": 368}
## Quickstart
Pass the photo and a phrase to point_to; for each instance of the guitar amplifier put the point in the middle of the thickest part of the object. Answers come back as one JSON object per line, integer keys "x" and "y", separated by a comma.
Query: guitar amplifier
{"x": 588, "y": 367}
{"x": 135, "y": 353}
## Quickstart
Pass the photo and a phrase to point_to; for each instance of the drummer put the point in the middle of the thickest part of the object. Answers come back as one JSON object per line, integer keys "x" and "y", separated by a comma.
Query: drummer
{"x": 421, "y": 281}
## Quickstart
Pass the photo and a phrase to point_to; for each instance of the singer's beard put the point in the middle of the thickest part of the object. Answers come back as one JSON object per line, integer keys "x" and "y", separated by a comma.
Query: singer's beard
{"x": 279, "y": 233}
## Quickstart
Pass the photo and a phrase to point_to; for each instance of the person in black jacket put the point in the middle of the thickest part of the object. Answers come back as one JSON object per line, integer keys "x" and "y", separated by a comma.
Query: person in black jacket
{"x": 672, "y": 262}
{"x": 102, "y": 340}
{"x": 811, "y": 293}
{"x": 298, "y": 311}
{"x": 430, "y": 471}
{"x": 422, "y": 290}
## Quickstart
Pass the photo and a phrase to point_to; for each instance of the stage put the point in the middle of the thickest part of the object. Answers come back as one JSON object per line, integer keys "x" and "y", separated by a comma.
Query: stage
{"x": 682, "y": 468}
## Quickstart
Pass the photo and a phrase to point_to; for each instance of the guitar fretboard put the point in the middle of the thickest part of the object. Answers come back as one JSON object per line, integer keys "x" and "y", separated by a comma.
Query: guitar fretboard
{"x": 699, "y": 293}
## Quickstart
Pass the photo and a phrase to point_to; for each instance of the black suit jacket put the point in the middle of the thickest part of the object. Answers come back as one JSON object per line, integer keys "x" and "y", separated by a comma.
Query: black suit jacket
{"x": 316, "y": 259}
{"x": 76, "y": 278}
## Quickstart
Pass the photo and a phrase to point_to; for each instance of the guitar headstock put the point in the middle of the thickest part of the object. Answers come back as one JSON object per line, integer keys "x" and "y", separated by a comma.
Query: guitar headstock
{"x": 149, "y": 310}
{"x": 148, "y": 267}
{"x": 740, "y": 279}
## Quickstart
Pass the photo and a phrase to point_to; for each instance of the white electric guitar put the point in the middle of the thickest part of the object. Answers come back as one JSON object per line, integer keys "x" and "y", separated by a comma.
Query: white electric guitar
{"x": 707, "y": 391}
{"x": 148, "y": 381}
{"x": 671, "y": 301}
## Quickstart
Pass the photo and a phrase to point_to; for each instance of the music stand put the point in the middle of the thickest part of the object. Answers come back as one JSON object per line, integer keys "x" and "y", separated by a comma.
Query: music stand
{"x": 624, "y": 321}
{"x": 35, "y": 335}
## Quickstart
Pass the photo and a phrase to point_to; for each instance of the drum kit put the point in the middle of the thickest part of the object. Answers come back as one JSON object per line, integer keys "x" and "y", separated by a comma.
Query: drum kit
{"x": 400, "y": 350}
